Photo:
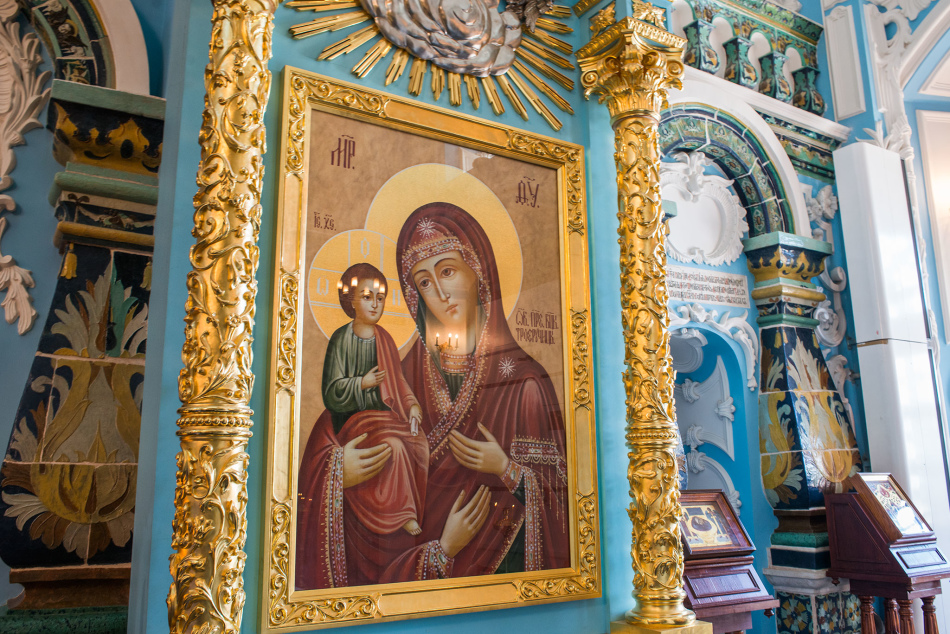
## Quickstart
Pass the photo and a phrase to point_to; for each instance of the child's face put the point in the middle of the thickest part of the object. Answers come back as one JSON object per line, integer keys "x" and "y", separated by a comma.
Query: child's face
{"x": 369, "y": 300}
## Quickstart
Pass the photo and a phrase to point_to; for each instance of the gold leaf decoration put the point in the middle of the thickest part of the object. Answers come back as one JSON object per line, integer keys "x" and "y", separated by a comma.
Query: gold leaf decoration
{"x": 630, "y": 67}
{"x": 210, "y": 524}
{"x": 539, "y": 48}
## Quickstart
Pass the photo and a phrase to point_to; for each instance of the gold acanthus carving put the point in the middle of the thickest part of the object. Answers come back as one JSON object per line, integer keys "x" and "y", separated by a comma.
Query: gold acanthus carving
{"x": 210, "y": 525}
{"x": 580, "y": 360}
{"x": 630, "y": 67}
{"x": 287, "y": 347}
{"x": 302, "y": 91}
{"x": 282, "y": 611}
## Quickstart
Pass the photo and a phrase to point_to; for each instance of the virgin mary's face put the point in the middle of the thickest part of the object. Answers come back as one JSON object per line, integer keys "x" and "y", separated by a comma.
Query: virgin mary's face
{"x": 449, "y": 287}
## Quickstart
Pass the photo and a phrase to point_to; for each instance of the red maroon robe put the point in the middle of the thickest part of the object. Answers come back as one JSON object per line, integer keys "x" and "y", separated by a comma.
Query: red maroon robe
{"x": 506, "y": 390}
{"x": 371, "y": 510}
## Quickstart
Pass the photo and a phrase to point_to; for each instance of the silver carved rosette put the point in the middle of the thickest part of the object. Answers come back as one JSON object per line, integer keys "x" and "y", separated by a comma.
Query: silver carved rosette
{"x": 469, "y": 37}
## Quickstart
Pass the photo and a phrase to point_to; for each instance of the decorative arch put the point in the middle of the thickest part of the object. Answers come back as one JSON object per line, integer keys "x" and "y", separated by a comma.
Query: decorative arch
{"x": 695, "y": 127}
{"x": 704, "y": 117}
{"x": 97, "y": 42}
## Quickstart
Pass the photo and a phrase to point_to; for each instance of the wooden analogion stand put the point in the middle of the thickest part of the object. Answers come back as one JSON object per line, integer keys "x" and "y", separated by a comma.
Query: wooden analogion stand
{"x": 881, "y": 542}
{"x": 721, "y": 585}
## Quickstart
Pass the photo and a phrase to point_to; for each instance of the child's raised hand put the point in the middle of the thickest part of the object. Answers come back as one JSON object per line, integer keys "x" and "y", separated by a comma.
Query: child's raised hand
{"x": 373, "y": 378}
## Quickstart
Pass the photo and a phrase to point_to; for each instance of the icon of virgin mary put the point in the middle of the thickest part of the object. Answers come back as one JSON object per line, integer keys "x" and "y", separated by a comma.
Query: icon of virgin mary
{"x": 496, "y": 492}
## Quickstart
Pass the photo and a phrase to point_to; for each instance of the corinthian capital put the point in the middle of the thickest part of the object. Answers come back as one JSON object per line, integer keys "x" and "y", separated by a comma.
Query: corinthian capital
{"x": 630, "y": 66}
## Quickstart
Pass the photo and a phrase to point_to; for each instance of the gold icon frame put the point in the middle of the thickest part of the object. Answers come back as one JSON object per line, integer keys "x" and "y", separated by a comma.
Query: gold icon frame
{"x": 286, "y": 609}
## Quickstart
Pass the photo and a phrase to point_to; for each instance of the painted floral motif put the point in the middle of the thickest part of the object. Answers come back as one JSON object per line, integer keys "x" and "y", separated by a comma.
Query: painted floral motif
{"x": 851, "y": 613}
{"x": 70, "y": 470}
{"x": 794, "y": 615}
{"x": 804, "y": 369}
{"x": 829, "y": 613}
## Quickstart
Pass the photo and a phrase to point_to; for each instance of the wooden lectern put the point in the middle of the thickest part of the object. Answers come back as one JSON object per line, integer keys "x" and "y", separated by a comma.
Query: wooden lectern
{"x": 880, "y": 541}
{"x": 721, "y": 585}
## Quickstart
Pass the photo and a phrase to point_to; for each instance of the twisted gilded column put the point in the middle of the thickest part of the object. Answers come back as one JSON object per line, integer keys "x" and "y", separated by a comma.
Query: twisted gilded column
{"x": 630, "y": 66}
{"x": 210, "y": 526}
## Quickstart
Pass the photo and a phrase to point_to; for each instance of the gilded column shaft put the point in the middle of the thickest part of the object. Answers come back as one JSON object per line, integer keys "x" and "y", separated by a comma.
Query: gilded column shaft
{"x": 207, "y": 592}
{"x": 630, "y": 67}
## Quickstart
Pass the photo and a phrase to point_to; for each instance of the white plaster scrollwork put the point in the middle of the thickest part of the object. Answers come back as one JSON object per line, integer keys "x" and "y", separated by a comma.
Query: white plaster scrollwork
{"x": 832, "y": 322}
{"x": 22, "y": 97}
{"x": 711, "y": 220}
{"x": 894, "y": 133}
{"x": 840, "y": 375}
{"x": 704, "y": 411}
{"x": 709, "y": 474}
{"x": 791, "y": 5}
{"x": 689, "y": 392}
{"x": 821, "y": 211}
{"x": 705, "y": 414}
{"x": 734, "y": 326}
{"x": 726, "y": 410}
{"x": 686, "y": 347}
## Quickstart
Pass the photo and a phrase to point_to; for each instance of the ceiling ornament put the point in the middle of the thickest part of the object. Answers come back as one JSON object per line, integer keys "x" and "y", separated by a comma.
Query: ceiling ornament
{"x": 465, "y": 47}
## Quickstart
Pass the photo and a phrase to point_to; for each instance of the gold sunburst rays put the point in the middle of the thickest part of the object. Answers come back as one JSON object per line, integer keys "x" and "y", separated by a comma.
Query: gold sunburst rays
{"x": 534, "y": 79}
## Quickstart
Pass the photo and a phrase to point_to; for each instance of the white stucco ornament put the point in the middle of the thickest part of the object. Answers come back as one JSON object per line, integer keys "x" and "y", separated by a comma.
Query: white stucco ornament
{"x": 22, "y": 98}
{"x": 734, "y": 326}
{"x": 710, "y": 219}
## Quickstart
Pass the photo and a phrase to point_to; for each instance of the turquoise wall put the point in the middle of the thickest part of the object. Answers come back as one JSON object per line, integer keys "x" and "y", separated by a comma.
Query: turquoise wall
{"x": 29, "y": 240}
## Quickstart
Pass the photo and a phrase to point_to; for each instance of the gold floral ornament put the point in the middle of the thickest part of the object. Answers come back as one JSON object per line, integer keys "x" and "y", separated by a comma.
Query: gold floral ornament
{"x": 210, "y": 525}
{"x": 630, "y": 66}
{"x": 458, "y": 42}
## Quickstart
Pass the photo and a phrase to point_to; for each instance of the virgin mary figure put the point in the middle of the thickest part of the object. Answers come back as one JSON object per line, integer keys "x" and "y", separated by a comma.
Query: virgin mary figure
{"x": 496, "y": 493}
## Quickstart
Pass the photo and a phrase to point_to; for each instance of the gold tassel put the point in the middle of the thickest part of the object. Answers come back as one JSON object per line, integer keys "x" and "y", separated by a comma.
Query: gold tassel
{"x": 147, "y": 276}
{"x": 69, "y": 264}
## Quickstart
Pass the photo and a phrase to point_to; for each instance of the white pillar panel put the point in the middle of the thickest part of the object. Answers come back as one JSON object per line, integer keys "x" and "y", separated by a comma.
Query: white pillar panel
{"x": 882, "y": 264}
{"x": 844, "y": 63}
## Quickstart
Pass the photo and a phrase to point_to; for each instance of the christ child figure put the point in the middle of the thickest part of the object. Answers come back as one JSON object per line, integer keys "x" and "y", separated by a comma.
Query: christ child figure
{"x": 366, "y": 394}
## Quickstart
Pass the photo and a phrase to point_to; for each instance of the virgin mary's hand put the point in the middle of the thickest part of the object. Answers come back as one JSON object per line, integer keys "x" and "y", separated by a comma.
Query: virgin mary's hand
{"x": 359, "y": 465}
{"x": 464, "y": 522}
{"x": 484, "y": 457}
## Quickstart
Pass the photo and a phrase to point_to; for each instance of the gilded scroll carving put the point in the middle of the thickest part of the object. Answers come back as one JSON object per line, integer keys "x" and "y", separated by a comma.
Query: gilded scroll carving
{"x": 630, "y": 67}
{"x": 207, "y": 592}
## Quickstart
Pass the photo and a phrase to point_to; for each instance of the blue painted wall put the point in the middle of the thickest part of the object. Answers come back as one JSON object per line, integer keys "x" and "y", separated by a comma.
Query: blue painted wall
{"x": 29, "y": 239}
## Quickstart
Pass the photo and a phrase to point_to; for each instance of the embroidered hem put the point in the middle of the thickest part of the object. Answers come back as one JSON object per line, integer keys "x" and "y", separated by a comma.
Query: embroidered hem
{"x": 434, "y": 563}
{"x": 333, "y": 507}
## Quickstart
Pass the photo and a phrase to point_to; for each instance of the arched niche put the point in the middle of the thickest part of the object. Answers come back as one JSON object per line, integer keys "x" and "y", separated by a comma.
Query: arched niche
{"x": 703, "y": 118}
{"x": 97, "y": 42}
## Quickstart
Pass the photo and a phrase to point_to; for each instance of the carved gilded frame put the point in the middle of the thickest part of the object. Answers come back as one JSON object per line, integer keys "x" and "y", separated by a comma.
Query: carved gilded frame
{"x": 287, "y": 609}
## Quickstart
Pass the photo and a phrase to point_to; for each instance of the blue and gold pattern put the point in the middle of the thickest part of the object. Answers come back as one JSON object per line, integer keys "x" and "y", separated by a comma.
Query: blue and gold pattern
{"x": 773, "y": 82}
{"x": 806, "y": 441}
{"x": 74, "y": 36}
{"x": 68, "y": 480}
{"x": 739, "y": 70}
{"x": 794, "y": 614}
{"x": 699, "y": 51}
{"x": 68, "y": 486}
